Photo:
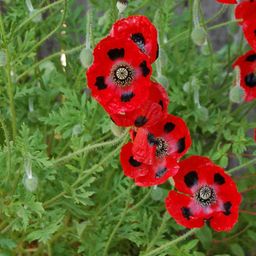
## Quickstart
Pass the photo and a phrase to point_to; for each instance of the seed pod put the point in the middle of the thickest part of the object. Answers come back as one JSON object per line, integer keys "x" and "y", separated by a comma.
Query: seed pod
{"x": 199, "y": 36}
{"x": 86, "y": 57}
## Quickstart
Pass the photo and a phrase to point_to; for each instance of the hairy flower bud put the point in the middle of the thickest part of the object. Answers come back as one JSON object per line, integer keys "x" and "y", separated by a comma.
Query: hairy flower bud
{"x": 199, "y": 36}
{"x": 121, "y": 5}
{"x": 86, "y": 57}
{"x": 236, "y": 94}
{"x": 3, "y": 58}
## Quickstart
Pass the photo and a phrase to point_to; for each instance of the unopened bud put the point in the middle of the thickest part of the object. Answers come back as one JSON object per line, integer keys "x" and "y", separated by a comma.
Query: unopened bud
{"x": 121, "y": 5}
{"x": 3, "y": 58}
{"x": 199, "y": 36}
{"x": 236, "y": 94}
{"x": 30, "y": 183}
{"x": 86, "y": 57}
{"x": 116, "y": 130}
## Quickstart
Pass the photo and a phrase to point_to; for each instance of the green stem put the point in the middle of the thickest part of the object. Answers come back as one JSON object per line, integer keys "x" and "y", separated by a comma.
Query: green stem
{"x": 7, "y": 140}
{"x": 31, "y": 17}
{"x": 116, "y": 228}
{"x": 50, "y": 34}
{"x": 251, "y": 162}
{"x": 88, "y": 148}
{"x": 171, "y": 243}
{"x": 75, "y": 49}
{"x": 10, "y": 87}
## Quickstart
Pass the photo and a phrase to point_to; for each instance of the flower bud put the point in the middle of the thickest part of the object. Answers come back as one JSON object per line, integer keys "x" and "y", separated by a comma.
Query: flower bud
{"x": 121, "y": 5}
{"x": 199, "y": 36}
{"x": 86, "y": 57}
{"x": 163, "y": 80}
{"x": 38, "y": 18}
{"x": 3, "y": 58}
{"x": 30, "y": 183}
{"x": 116, "y": 130}
{"x": 236, "y": 94}
{"x": 203, "y": 113}
{"x": 77, "y": 129}
{"x": 157, "y": 194}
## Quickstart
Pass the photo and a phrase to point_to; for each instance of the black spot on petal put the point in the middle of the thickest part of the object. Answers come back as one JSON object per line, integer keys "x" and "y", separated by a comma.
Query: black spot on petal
{"x": 191, "y": 179}
{"x": 186, "y": 212}
{"x": 139, "y": 39}
{"x": 100, "y": 83}
{"x": 157, "y": 51}
{"x": 161, "y": 172}
{"x": 251, "y": 58}
{"x": 126, "y": 97}
{"x": 168, "y": 127}
{"x": 145, "y": 70}
{"x": 250, "y": 80}
{"x": 151, "y": 139}
{"x": 219, "y": 179}
{"x": 116, "y": 53}
{"x": 140, "y": 121}
{"x": 134, "y": 162}
{"x": 161, "y": 104}
{"x": 181, "y": 145}
{"x": 227, "y": 207}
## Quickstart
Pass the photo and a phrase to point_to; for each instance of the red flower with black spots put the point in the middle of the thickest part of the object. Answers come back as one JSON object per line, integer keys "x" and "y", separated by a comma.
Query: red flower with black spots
{"x": 147, "y": 175}
{"x": 227, "y": 1}
{"x": 141, "y": 31}
{"x": 246, "y": 11}
{"x": 247, "y": 66}
{"x": 205, "y": 193}
{"x": 170, "y": 137}
{"x": 149, "y": 113}
{"x": 153, "y": 156}
{"x": 119, "y": 76}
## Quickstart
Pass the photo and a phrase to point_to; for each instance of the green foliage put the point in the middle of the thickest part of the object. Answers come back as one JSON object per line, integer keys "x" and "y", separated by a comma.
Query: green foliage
{"x": 83, "y": 204}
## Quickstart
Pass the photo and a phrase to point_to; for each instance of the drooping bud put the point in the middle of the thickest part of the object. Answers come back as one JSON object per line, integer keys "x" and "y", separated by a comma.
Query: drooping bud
{"x": 236, "y": 94}
{"x": 38, "y": 17}
{"x": 86, "y": 57}
{"x": 116, "y": 130}
{"x": 199, "y": 36}
{"x": 121, "y": 5}
{"x": 30, "y": 183}
{"x": 157, "y": 194}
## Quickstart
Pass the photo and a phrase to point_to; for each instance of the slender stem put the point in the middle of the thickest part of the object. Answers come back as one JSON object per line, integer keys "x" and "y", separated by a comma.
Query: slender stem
{"x": 51, "y": 33}
{"x": 10, "y": 87}
{"x": 88, "y": 148}
{"x": 116, "y": 228}
{"x": 169, "y": 244}
{"x": 31, "y": 17}
{"x": 253, "y": 161}
{"x": 248, "y": 212}
{"x": 73, "y": 50}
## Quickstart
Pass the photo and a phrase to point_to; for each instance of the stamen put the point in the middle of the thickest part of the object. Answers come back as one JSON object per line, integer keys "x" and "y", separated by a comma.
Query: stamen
{"x": 122, "y": 74}
{"x": 205, "y": 196}
{"x": 161, "y": 147}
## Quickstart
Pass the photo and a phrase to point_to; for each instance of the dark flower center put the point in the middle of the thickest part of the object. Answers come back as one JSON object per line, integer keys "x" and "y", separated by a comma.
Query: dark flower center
{"x": 161, "y": 147}
{"x": 205, "y": 196}
{"x": 122, "y": 74}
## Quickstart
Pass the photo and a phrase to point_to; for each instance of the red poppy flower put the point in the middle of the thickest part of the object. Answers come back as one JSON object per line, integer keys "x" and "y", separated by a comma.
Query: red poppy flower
{"x": 119, "y": 76}
{"x": 205, "y": 192}
{"x": 170, "y": 137}
{"x": 246, "y": 11}
{"x": 227, "y": 1}
{"x": 247, "y": 67}
{"x": 147, "y": 175}
{"x": 149, "y": 113}
{"x": 141, "y": 31}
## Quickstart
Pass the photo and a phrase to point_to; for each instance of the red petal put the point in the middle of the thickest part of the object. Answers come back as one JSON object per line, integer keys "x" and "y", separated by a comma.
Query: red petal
{"x": 141, "y": 30}
{"x": 245, "y": 10}
{"x": 159, "y": 172}
{"x": 247, "y": 67}
{"x": 178, "y": 207}
{"x": 131, "y": 167}
{"x": 227, "y": 1}
{"x": 149, "y": 113}
{"x": 188, "y": 176}
{"x": 105, "y": 90}
{"x": 249, "y": 28}
{"x": 222, "y": 222}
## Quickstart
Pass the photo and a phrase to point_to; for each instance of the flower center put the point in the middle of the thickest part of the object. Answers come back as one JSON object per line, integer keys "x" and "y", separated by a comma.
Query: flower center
{"x": 205, "y": 196}
{"x": 122, "y": 74}
{"x": 161, "y": 147}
